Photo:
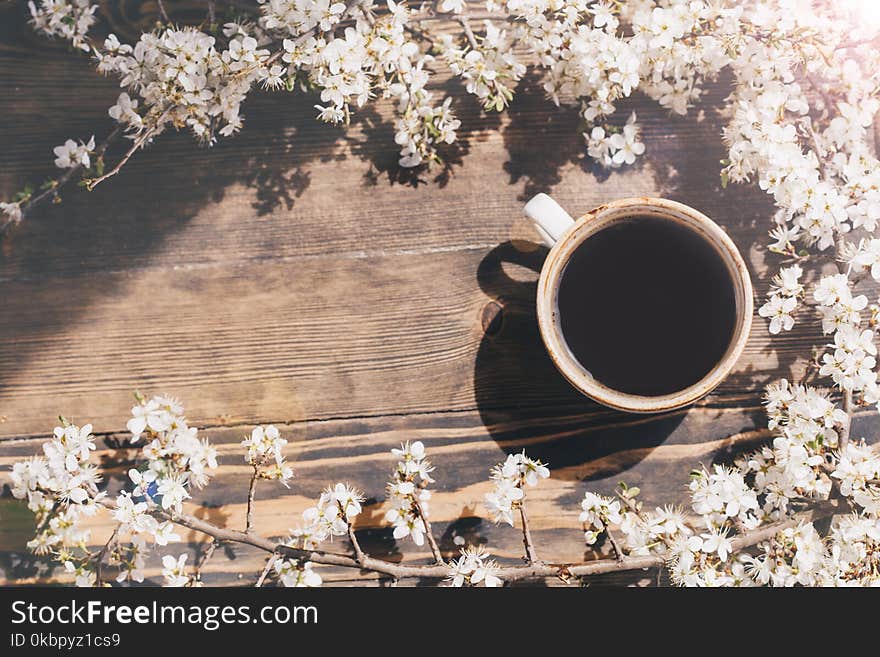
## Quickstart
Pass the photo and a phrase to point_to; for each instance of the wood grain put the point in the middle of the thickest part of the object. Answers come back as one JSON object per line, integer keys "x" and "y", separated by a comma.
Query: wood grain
{"x": 294, "y": 274}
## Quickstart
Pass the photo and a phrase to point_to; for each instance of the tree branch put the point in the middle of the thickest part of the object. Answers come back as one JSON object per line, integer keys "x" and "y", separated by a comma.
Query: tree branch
{"x": 468, "y": 32}
{"x": 843, "y": 437}
{"x": 618, "y": 553}
{"x": 507, "y": 573}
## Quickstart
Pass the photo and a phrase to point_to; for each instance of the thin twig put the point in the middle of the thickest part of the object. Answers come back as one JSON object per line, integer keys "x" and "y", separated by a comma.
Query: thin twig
{"x": 209, "y": 552}
{"x": 99, "y": 558}
{"x": 531, "y": 555}
{"x": 468, "y": 32}
{"x": 139, "y": 142}
{"x": 268, "y": 568}
{"x": 162, "y": 11}
{"x": 429, "y": 534}
{"x": 358, "y": 552}
{"x": 252, "y": 489}
{"x": 614, "y": 546}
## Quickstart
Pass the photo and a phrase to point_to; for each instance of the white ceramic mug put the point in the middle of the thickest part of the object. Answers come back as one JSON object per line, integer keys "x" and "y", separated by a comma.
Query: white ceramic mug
{"x": 564, "y": 235}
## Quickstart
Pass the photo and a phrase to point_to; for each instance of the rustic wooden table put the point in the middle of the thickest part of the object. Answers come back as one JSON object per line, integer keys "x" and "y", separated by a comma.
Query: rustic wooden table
{"x": 294, "y": 275}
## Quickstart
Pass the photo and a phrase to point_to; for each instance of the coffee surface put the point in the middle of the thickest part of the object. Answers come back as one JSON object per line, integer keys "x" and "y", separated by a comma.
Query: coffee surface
{"x": 647, "y": 306}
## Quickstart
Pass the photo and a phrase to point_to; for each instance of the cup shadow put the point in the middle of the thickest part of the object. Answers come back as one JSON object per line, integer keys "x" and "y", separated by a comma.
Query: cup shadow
{"x": 525, "y": 402}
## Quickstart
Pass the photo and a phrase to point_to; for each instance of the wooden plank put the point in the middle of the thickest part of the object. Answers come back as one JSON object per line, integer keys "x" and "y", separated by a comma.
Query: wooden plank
{"x": 297, "y": 340}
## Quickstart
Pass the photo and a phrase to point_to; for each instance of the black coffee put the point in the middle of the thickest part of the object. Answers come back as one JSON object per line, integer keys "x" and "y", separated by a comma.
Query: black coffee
{"x": 647, "y": 306}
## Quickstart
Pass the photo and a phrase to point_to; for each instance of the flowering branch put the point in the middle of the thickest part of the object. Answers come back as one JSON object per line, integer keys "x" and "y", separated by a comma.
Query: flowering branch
{"x": 751, "y": 505}
{"x": 27, "y": 200}
{"x": 510, "y": 573}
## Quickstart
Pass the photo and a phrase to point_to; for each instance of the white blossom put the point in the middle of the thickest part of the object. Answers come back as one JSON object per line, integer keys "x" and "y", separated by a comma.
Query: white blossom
{"x": 174, "y": 570}
{"x": 474, "y": 568}
{"x": 265, "y": 453}
{"x": 508, "y": 480}
{"x": 72, "y": 154}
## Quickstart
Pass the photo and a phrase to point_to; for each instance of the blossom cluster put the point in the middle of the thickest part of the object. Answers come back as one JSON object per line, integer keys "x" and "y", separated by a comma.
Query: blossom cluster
{"x": 264, "y": 452}
{"x": 335, "y": 511}
{"x": 408, "y": 492}
{"x": 67, "y": 19}
{"x": 61, "y": 488}
{"x": 184, "y": 77}
{"x": 175, "y": 461}
{"x": 293, "y": 573}
{"x": 490, "y": 68}
{"x": 474, "y": 568}
{"x": 810, "y": 153}
{"x": 176, "y": 458}
{"x": 509, "y": 480}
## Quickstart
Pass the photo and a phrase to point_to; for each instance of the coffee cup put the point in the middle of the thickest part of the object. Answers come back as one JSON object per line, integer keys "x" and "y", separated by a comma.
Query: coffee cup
{"x": 644, "y": 304}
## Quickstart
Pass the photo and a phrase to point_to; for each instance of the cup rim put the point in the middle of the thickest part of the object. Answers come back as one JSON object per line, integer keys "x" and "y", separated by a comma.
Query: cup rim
{"x": 588, "y": 225}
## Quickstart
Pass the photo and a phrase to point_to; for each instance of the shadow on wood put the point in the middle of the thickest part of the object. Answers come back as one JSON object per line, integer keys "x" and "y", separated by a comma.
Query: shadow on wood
{"x": 513, "y": 372}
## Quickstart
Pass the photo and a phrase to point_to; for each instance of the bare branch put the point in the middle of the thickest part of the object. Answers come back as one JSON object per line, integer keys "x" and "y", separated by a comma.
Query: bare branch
{"x": 843, "y": 437}
{"x": 468, "y": 32}
{"x": 531, "y": 555}
{"x": 618, "y": 553}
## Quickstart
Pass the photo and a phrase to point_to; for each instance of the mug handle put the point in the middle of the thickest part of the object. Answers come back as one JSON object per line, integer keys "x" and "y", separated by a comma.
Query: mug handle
{"x": 551, "y": 221}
